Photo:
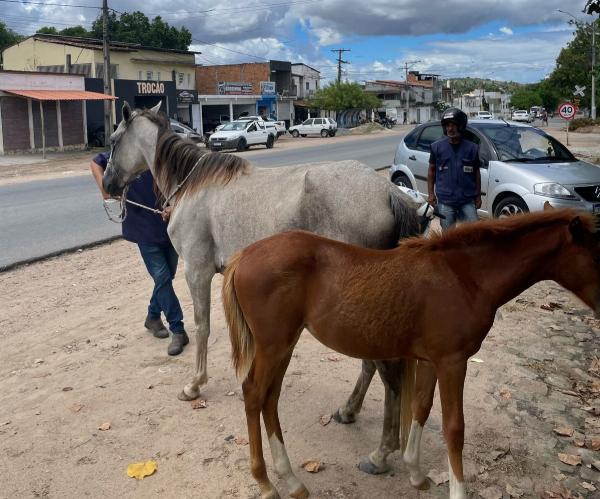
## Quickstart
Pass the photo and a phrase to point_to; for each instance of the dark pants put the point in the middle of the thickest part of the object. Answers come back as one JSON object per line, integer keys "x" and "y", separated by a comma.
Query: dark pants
{"x": 466, "y": 213}
{"x": 161, "y": 262}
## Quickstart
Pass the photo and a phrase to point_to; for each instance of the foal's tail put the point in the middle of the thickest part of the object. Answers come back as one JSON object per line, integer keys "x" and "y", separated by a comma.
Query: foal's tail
{"x": 242, "y": 341}
{"x": 407, "y": 393}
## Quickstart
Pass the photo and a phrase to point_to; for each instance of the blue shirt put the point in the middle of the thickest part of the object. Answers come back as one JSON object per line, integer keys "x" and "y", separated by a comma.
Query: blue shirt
{"x": 140, "y": 225}
{"x": 456, "y": 167}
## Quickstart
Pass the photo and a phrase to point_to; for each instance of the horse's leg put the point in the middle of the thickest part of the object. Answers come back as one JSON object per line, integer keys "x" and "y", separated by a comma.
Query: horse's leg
{"x": 199, "y": 278}
{"x": 347, "y": 413}
{"x": 451, "y": 377}
{"x": 421, "y": 406}
{"x": 390, "y": 373}
{"x": 281, "y": 461}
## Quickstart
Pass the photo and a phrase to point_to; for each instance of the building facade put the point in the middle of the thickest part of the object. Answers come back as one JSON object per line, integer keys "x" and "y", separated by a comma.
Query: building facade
{"x": 497, "y": 103}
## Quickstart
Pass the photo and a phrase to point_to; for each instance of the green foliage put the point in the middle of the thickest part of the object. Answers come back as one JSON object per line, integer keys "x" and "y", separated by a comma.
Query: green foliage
{"x": 47, "y": 30}
{"x": 461, "y": 86}
{"x": 75, "y": 31}
{"x": 340, "y": 96}
{"x": 582, "y": 122}
{"x": 135, "y": 27}
{"x": 8, "y": 37}
{"x": 525, "y": 98}
{"x": 592, "y": 7}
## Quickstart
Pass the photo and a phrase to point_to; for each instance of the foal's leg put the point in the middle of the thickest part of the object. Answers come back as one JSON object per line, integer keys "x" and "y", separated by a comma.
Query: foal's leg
{"x": 281, "y": 461}
{"x": 421, "y": 406}
{"x": 347, "y": 413}
{"x": 199, "y": 284}
{"x": 390, "y": 373}
{"x": 451, "y": 377}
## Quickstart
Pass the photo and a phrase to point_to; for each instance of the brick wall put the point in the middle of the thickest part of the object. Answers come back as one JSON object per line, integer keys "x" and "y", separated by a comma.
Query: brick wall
{"x": 50, "y": 124}
{"x": 15, "y": 123}
{"x": 207, "y": 77}
{"x": 71, "y": 114}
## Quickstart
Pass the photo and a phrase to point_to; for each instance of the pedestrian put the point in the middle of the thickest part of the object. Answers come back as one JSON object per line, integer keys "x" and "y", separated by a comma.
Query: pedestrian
{"x": 453, "y": 178}
{"x": 544, "y": 117}
{"x": 149, "y": 231}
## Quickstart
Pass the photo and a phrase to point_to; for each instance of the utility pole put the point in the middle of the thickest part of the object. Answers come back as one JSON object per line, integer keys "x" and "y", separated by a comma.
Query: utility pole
{"x": 406, "y": 66}
{"x": 340, "y": 62}
{"x": 106, "y": 74}
{"x": 594, "y": 69}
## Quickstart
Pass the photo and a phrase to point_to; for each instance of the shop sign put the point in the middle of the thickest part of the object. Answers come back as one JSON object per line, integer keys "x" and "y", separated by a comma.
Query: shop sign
{"x": 150, "y": 87}
{"x": 234, "y": 88}
{"x": 267, "y": 87}
{"x": 187, "y": 97}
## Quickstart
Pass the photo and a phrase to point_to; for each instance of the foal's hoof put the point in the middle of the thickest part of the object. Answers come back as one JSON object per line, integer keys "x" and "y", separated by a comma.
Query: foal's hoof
{"x": 301, "y": 493}
{"x": 339, "y": 417}
{"x": 367, "y": 466}
{"x": 421, "y": 485}
{"x": 183, "y": 395}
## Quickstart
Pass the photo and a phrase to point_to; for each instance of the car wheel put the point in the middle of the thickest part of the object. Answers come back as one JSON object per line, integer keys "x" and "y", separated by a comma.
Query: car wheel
{"x": 270, "y": 142}
{"x": 324, "y": 133}
{"x": 510, "y": 206}
{"x": 401, "y": 180}
{"x": 303, "y": 134}
{"x": 295, "y": 134}
{"x": 332, "y": 133}
{"x": 241, "y": 145}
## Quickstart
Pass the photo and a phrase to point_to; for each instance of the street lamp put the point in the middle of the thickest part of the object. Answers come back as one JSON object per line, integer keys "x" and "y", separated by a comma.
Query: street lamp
{"x": 593, "y": 25}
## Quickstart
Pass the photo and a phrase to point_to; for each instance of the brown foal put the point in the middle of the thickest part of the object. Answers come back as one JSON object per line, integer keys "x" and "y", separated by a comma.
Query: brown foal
{"x": 428, "y": 299}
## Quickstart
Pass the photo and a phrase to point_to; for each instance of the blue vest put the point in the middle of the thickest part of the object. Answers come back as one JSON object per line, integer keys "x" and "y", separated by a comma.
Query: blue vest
{"x": 455, "y": 181}
{"x": 140, "y": 225}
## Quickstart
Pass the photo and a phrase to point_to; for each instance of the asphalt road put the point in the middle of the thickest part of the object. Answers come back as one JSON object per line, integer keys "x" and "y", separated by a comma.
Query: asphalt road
{"x": 46, "y": 217}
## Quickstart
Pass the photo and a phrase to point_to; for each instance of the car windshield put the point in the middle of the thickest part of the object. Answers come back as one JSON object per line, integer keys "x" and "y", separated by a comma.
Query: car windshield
{"x": 235, "y": 125}
{"x": 525, "y": 144}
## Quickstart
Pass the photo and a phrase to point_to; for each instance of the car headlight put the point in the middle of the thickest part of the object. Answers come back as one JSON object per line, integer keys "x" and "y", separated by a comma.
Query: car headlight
{"x": 553, "y": 190}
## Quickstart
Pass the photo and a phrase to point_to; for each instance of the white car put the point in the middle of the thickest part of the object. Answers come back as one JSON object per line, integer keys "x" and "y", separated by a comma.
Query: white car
{"x": 484, "y": 115}
{"x": 277, "y": 128}
{"x": 240, "y": 135}
{"x": 325, "y": 127}
{"x": 521, "y": 115}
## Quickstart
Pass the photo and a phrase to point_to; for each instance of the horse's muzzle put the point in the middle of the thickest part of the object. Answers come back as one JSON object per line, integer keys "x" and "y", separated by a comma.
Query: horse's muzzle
{"x": 112, "y": 184}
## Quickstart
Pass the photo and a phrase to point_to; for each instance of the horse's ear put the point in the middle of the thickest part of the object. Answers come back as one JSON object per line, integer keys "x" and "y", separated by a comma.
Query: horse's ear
{"x": 577, "y": 230}
{"x": 548, "y": 206}
{"x": 156, "y": 108}
{"x": 126, "y": 111}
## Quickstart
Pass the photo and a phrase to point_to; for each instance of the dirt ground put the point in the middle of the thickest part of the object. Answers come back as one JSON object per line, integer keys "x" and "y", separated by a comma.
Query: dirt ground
{"x": 75, "y": 355}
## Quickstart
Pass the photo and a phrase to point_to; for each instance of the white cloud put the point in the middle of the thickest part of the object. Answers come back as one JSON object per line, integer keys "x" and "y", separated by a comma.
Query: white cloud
{"x": 506, "y": 30}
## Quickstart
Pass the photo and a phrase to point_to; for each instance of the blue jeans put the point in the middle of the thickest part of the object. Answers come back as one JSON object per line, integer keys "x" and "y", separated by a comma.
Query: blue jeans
{"x": 466, "y": 213}
{"x": 161, "y": 262}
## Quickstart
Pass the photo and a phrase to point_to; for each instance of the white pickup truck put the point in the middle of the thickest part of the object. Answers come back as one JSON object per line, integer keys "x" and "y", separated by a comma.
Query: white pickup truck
{"x": 240, "y": 135}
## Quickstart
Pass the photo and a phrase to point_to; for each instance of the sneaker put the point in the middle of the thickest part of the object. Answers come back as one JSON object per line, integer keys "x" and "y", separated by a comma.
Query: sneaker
{"x": 156, "y": 327}
{"x": 178, "y": 341}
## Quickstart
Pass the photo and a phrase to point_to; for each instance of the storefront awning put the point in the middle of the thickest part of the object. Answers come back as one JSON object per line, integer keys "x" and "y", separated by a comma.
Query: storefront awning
{"x": 60, "y": 94}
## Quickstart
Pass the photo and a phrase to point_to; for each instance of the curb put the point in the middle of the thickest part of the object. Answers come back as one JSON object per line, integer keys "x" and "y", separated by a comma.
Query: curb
{"x": 74, "y": 249}
{"x": 380, "y": 168}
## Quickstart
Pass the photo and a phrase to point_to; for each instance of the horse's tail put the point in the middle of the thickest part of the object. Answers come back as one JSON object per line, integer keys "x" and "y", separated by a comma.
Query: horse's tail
{"x": 242, "y": 341}
{"x": 407, "y": 393}
{"x": 406, "y": 220}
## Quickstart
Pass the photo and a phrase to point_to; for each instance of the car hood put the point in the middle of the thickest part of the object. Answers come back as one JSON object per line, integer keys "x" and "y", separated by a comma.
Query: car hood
{"x": 226, "y": 134}
{"x": 567, "y": 173}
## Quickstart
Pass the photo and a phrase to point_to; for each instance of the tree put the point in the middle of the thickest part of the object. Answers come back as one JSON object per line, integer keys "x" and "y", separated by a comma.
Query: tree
{"x": 592, "y": 7}
{"x": 8, "y": 37}
{"x": 47, "y": 30}
{"x": 340, "y": 96}
{"x": 526, "y": 98}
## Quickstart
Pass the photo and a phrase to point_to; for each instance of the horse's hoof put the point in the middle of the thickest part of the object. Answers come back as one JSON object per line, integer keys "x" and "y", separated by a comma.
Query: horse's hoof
{"x": 367, "y": 466}
{"x": 272, "y": 494}
{"x": 301, "y": 493}
{"x": 339, "y": 418}
{"x": 421, "y": 485}
{"x": 185, "y": 397}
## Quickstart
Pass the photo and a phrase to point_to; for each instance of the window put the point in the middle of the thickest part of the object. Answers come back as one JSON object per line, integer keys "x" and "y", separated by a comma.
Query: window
{"x": 318, "y": 121}
{"x": 180, "y": 78}
{"x": 139, "y": 75}
{"x": 252, "y": 128}
{"x": 429, "y": 135}
{"x": 158, "y": 76}
{"x": 189, "y": 79}
{"x": 307, "y": 85}
{"x": 307, "y": 122}
{"x": 149, "y": 75}
{"x": 411, "y": 139}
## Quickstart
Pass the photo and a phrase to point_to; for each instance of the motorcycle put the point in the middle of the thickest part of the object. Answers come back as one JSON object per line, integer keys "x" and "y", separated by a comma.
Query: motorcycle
{"x": 387, "y": 122}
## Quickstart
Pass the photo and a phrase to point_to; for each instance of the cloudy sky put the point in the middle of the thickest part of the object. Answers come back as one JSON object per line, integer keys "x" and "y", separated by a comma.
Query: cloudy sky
{"x": 505, "y": 40}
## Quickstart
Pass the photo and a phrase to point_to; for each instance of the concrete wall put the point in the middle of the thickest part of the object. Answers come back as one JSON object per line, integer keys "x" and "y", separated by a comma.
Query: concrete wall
{"x": 15, "y": 123}
{"x": 208, "y": 77}
{"x": 31, "y": 53}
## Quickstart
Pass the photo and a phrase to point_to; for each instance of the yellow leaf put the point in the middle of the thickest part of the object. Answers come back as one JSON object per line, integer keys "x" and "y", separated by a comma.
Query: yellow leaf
{"x": 312, "y": 465}
{"x": 140, "y": 470}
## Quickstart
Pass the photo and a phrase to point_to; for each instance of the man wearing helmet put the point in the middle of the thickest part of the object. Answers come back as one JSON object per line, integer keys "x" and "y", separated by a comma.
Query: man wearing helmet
{"x": 453, "y": 178}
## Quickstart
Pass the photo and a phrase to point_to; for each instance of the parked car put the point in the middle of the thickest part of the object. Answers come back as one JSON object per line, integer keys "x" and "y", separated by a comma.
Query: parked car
{"x": 276, "y": 128}
{"x": 484, "y": 115}
{"x": 185, "y": 132}
{"x": 522, "y": 168}
{"x": 325, "y": 127}
{"x": 521, "y": 115}
{"x": 240, "y": 135}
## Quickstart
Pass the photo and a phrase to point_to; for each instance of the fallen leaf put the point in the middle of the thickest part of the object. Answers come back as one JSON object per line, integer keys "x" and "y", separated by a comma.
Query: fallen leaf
{"x": 476, "y": 360}
{"x": 513, "y": 491}
{"x": 596, "y": 464}
{"x": 438, "y": 478}
{"x": 505, "y": 393}
{"x": 325, "y": 419}
{"x": 141, "y": 470}
{"x": 595, "y": 444}
{"x": 198, "y": 404}
{"x": 312, "y": 465}
{"x": 104, "y": 426}
{"x": 333, "y": 358}
{"x": 579, "y": 442}
{"x": 570, "y": 459}
{"x": 559, "y": 477}
{"x": 76, "y": 407}
{"x": 564, "y": 431}
{"x": 67, "y": 388}
{"x": 241, "y": 441}
{"x": 588, "y": 486}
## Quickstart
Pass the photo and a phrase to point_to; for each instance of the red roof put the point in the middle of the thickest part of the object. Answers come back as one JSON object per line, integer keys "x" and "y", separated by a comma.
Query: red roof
{"x": 60, "y": 94}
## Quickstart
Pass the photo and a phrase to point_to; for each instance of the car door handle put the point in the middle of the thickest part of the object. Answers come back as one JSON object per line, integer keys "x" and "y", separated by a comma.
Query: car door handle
{"x": 412, "y": 157}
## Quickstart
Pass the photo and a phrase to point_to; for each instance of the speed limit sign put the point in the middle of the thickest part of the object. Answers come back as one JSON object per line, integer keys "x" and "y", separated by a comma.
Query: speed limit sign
{"x": 567, "y": 110}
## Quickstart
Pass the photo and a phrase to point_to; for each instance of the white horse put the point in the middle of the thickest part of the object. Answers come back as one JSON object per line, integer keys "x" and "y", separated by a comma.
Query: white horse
{"x": 222, "y": 204}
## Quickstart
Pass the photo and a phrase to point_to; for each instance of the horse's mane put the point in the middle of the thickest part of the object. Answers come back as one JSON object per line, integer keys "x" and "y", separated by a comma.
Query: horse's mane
{"x": 507, "y": 229}
{"x": 175, "y": 157}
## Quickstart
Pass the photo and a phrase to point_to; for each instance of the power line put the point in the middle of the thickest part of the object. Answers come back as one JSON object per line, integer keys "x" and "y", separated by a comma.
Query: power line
{"x": 340, "y": 62}
{"x": 28, "y": 2}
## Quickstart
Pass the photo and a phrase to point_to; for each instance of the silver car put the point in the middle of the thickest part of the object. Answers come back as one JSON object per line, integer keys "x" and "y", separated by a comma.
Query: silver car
{"x": 522, "y": 168}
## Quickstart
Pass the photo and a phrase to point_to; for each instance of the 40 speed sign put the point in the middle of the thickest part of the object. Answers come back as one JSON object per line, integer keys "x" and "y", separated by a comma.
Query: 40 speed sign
{"x": 567, "y": 110}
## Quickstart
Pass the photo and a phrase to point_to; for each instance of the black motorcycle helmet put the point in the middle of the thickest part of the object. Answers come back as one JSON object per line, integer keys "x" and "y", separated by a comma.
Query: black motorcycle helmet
{"x": 456, "y": 116}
